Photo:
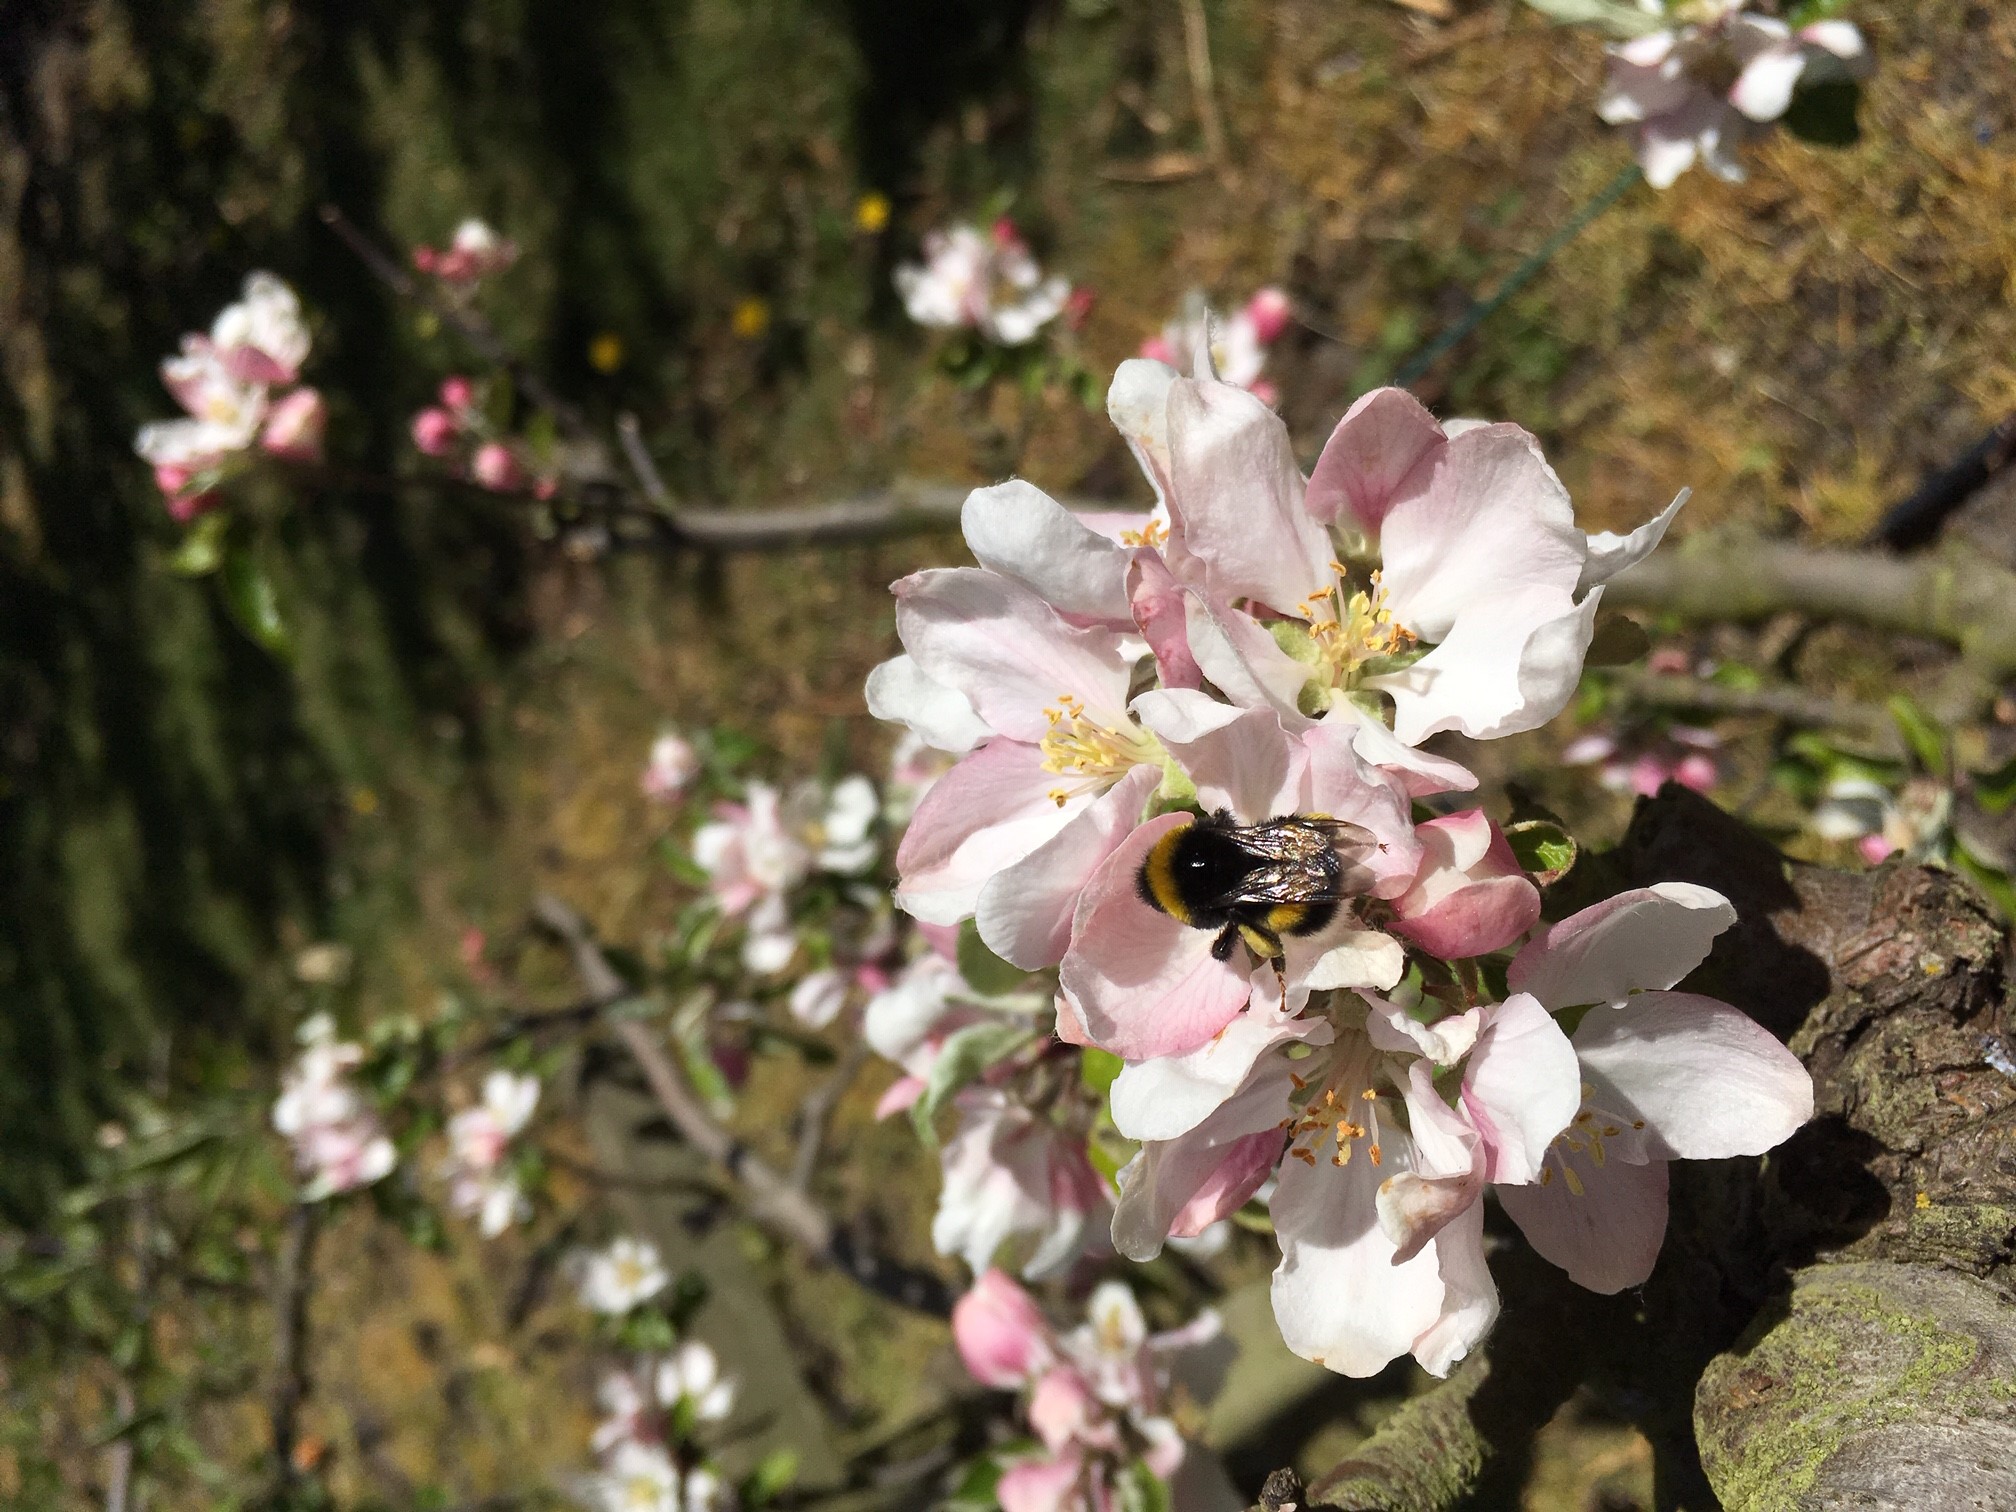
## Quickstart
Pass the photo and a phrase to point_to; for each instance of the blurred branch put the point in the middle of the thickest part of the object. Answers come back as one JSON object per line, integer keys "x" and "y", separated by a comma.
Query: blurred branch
{"x": 1792, "y": 705}
{"x": 1916, "y": 521}
{"x": 1203, "y": 84}
{"x": 818, "y": 1110}
{"x": 297, "y": 1268}
{"x": 771, "y": 1199}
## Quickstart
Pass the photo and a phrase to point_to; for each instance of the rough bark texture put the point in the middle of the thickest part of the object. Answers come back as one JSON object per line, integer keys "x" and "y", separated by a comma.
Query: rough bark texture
{"x": 1832, "y": 1326}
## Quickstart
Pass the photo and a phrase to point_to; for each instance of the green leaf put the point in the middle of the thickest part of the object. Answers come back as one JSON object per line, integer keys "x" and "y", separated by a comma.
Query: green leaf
{"x": 1996, "y": 790}
{"x": 985, "y": 972}
{"x": 1098, "y": 1070}
{"x": 976, "y": 1493}
{"x": 201, "y": 551}
{"x": 1617, "y": 17}
{"x": 1142, "y": 1490}
{"x": 1995, "y": 882}
{"x": 1926, "y": 740}
{"x": 1619, "y": 641}
{"x": 248, "y": 594}
{"x": 1544, "y": 848}
{"x": 965, "y": 1056}
{"x": 1825, "y": 113}
{"x": 772, "y": 1475}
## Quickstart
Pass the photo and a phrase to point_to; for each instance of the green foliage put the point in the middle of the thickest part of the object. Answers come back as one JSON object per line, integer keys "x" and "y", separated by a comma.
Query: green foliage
{"x": 963, "y": 1059}
{"x": 985, "y": 972}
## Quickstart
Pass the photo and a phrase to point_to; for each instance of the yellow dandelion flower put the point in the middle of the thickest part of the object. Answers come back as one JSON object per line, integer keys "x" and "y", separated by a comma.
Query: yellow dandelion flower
{"x": 871, "y": 212}
{"x": 605, "y": 352}
{"x": 751, "y": 318}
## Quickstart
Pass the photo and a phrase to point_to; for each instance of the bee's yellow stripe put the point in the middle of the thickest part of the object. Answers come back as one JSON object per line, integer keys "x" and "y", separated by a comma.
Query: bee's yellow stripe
{"x": 1283, "y": 918}
{"x": 1158, "y": 874}
{"x": 1262, "y": 945}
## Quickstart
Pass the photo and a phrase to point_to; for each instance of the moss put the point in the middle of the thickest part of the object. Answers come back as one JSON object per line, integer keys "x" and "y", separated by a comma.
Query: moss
{"x": 1855, "y": 1353}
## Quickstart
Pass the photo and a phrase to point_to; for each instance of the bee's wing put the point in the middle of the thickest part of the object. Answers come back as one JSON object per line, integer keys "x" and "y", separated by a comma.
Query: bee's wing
{"x": 1297, "y": 850}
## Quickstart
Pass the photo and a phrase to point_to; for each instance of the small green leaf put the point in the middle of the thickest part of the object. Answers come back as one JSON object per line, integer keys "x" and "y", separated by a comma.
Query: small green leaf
{"x": 985, "y": 972}
{"x": 1996, "y": 790}
{"x": 976, "y": 1493}
{"x": 1098, "y": 1069}
{"x": 1926, "y": 740}
{"x": 1142, "y": 1490}
{"x": 1995, "y": 882}
{"x": 248, "y": 594}
{"x": 1544, "y": 848}
{"x": 965, "y": 1056}
{"x": 1825, "y": 113}
{"x": 772, "y": 1475}
{"x": 1293, "y": 636}
{"x": 201, "y": 551}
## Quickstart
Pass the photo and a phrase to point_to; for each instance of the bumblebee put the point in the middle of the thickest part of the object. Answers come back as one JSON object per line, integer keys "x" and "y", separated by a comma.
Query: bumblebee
{"x": 1256, "y": 882}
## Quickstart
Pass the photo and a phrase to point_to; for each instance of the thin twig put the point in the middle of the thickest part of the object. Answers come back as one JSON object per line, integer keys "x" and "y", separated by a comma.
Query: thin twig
{"x": 632, "y": 436}
{"x": 769, "y": 1197}
{"x": 1203, "y": 83}
{"x": 818, "y": 1110}
{"x": 1792, "y": 705}
{"x": 290, "y": 1392}
{"x": 472, "y": 327}
{"x": 1917, "y": 520}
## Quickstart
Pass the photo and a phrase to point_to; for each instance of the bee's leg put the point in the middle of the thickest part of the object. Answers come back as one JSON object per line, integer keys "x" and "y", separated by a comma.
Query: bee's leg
{"x": 1266, "y": 944}
{"x": 1221, "y": 948}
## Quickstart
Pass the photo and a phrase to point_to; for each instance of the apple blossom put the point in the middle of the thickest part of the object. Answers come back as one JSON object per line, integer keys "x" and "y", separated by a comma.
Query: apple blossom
{"x": 1682, "y": 754}
{"x": 643, "y": 1477}
{"x": 262, "y": 338}
{"x": 475, "y": 252}
{"x": 1095, "y": 1397}
{"x": 672, "y": 766}
{"x": 1010, "y": 1172}
{"x": 1663, "y": 1076}
{"x": 625, "y": 1275}
{"x": 1699, "y": 91}
{"x": 435, "y": 432}
{"x": 1235, "y": 346}
{"x": 1471, "y": 896}
{"x": 983, "y": 281}
{"x": 691, "y": 1375}
{"x": 478, "y": 1139}
{"x": 294, "y": 426}
{"x": 339, "y": 1143}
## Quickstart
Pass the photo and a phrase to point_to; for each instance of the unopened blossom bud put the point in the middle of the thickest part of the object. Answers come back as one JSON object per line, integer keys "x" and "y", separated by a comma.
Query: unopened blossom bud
{"x": 671, "y": 768}
{"x": 1079, "y": 306}
{"x": 294, "y": 426}
{"x": 1268, "y": 310}
{"x": 434, "y": 432}
{"x": 1471, "y": 896}
{"x": 1005, "y": 232}
{"x": 458, "y": 394}
{"x": 495, "y": 468}
{"x": 1062, "y": 1408}
{"x": 1000, "y": 1334}
{"x": 424, "y": 258}
{"x": 186, "y": 507}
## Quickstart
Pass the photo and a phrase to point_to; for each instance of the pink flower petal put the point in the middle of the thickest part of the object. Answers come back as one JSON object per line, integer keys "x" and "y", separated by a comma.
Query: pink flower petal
{"x": 1381, "y": 439}
{"x": 1521, "y": 1087}
{"x": 1160, "y": 610}
{"x": 1607, "y": 1238}
{"x": 1650, "y": 937}
{"x": 1705, "y": 1078}
{"x": 1236, "y": 498}
{"x": 1020, "y": 532}
{"x": 1471, "y": 897}
{"x": 1145, "y": 984}
{"x": 1000, "y": 1333}
{"x": 980, "y": 818}
{"x": 1024, "y": 913}
{"x": 1240, "y": 759}
{"x": 1007, "y": 651}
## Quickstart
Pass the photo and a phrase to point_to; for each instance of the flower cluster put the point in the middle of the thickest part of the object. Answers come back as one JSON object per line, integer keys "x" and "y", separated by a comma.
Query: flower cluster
{"x": 339, "y": 1142}
{"x": 479, "y": 1139}
{"x": 1233, "y": 347}
{"x": 1643, "y": 761}
{"x": 1698, "y": 91}
{"x": 756, "y": 852}
{"x": 650, "y": 1459}
{"x": 1097, "y": 1398}
{"x": 670, "y": 768}
{"x": 239, "y": 385}
{"x": 1191, "y": 754}
{"x": 620, "y": 1278}
{"x": 982, "y": 281}
{"x": 457, "y": 429}
{"x": 474, "y": 254}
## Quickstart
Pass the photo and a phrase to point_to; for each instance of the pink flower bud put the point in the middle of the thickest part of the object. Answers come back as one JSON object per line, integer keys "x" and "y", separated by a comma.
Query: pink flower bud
{"x": 171, "y": 479}
{"x": 1156, "y": 349}
{"x": 1046, "y": 1485}
{"x": 495, "y": 468}
{"x": 294, "y": 426}
{"x": 434, "y": 432}
{"x": 1001, "y": 1335}
{"x": 1698, "y": 772}
{"x": 1063, "y": 1408}
{"x": 1875, "y": 849}
{"x": 1471, "y": 896}
{"x": 1078, "y": 307}
{"x": 1268, "y": 310}
{"x": 458, "y": 394}
{"x": 183, "y": 508}
{"x": 424, "y": 258}
{"x": 1005, "y": 232}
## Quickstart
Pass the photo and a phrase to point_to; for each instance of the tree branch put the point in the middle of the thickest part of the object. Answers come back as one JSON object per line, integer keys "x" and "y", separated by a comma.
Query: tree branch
{"x": 297, "y": 1268}
{"x": 771, "y": 1199}
{"x": 1792, "y": 705}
